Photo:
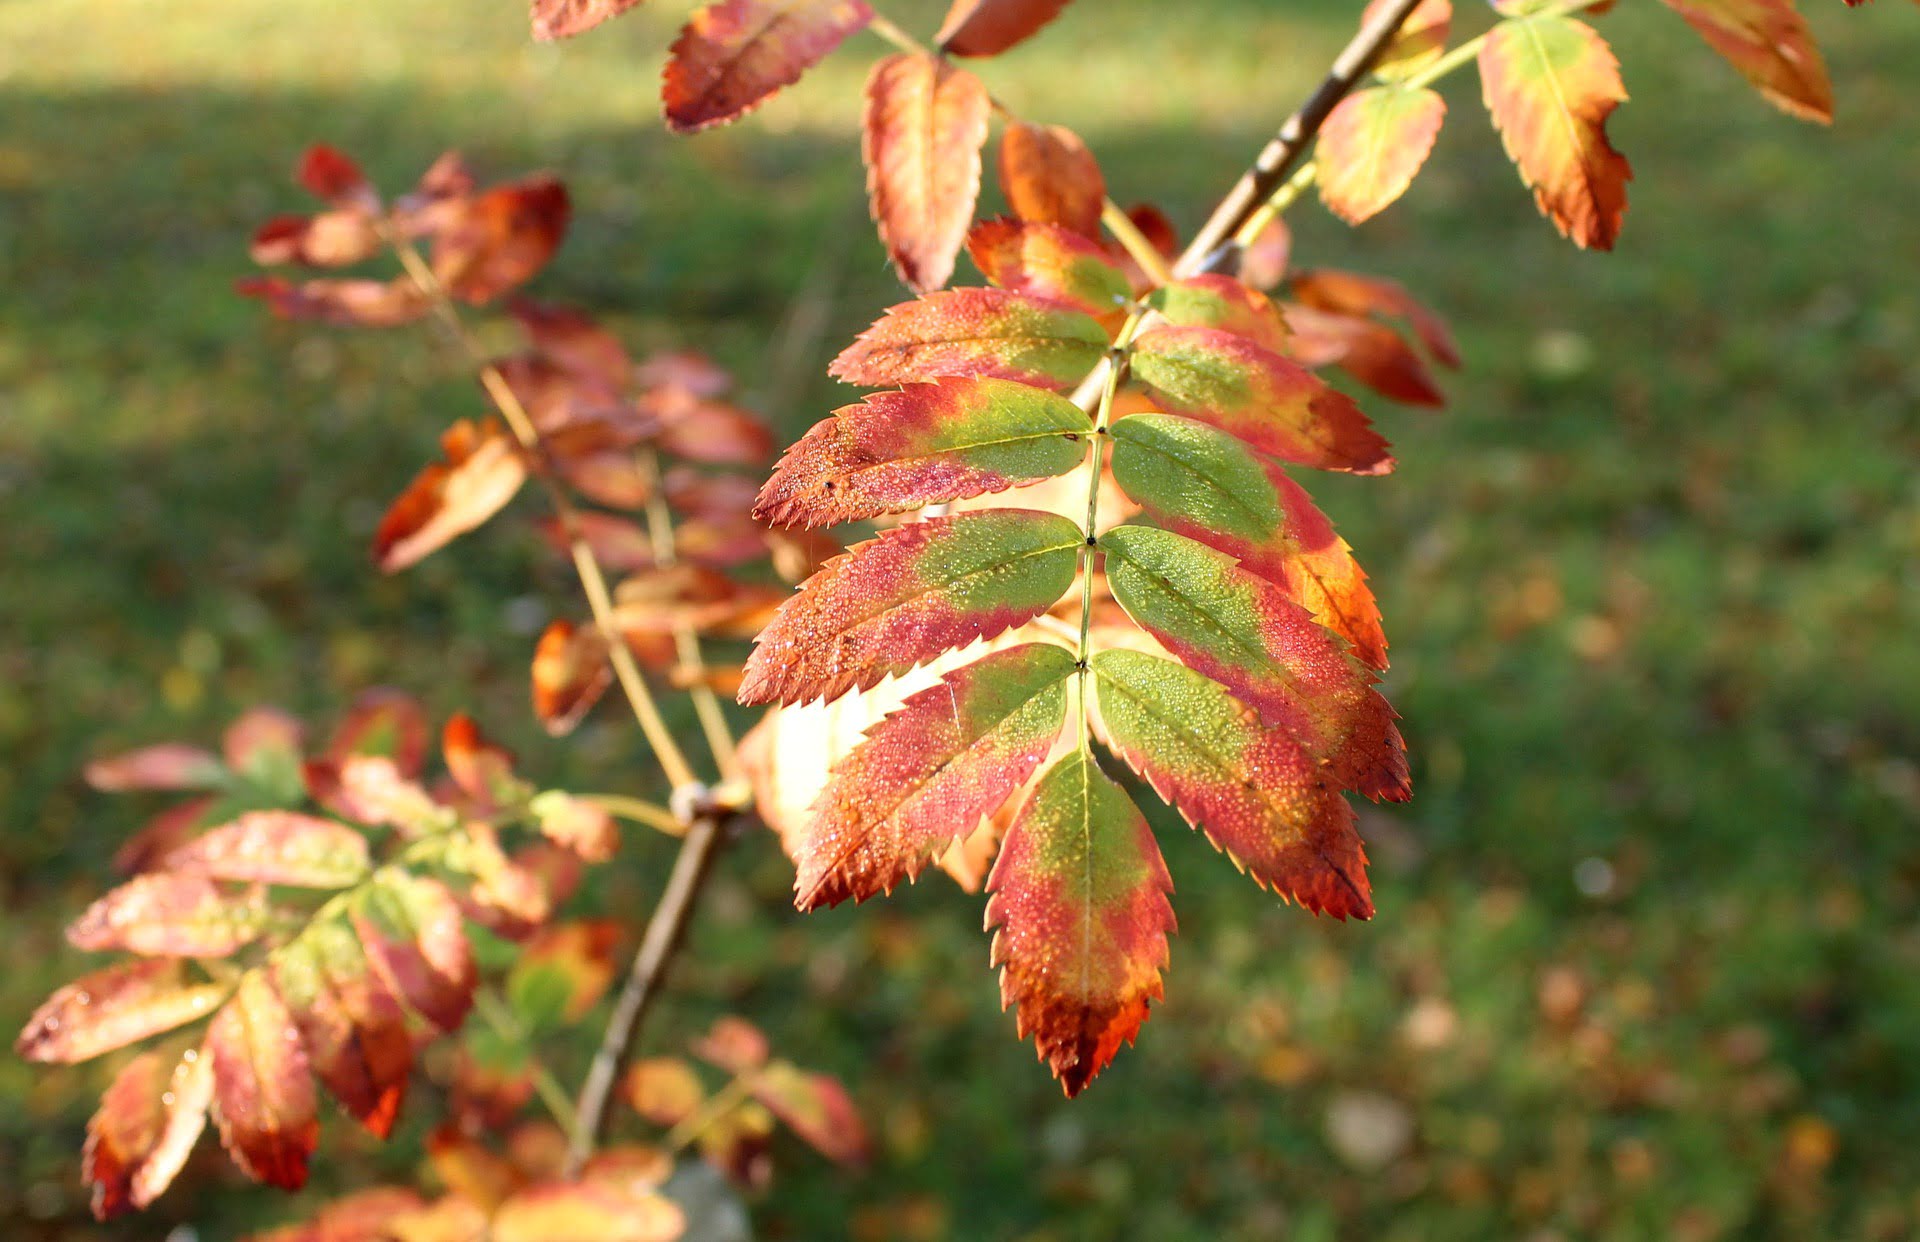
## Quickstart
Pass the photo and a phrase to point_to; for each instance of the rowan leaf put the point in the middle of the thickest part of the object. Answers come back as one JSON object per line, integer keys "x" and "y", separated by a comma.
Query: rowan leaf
{"x": 561, "y": 19}
{"x": 384, "y": 722}
{"x": 570, "y": 673}
{"x": 499, "y": 239}
{"x": 1216, "y": 301}
{"x": 733, "y": 1044}
{"x": 1371, "y": 352}
{"x": 927, "y": 443}
{"x": 1253, "y": 791}
{"x": 927, "y": 773}
{"x": 988, "y": 332}
{"x": 113, "y": 1007}
{"x": 167, "y": 914}
{"x": 263, "y": 1097}
{"x": 899, "y": 600}
{"x": 148, "y": 1121}
{"x": 482, "y": 472}
{"x": 1421, "y": 39}
{"x": 415, "y": 940}
{"x": 816, "y": 1108}
{"x": 1373, "y": 145}
{"x": 167, "y": 765}
{"x": 1080, "y": 903}
{"x": 1049, "y": 177}
{"x": 1208, "y": 486}
{"x": 924, "y": 126}
{"x": 990, "y": 27}
{"x": 562, "y": 972}
{"x": 1769, "y": 43}
{"x": 352, "y": 1027}
{"x": 364, "y": 303}
{"x": 665, "y": 1091}
{"x": 1276, "y": 405}
{"x": 1243, "y": 632}
{"x": 588, "y": 1211}
{"x": 1350, "y": 293}
{"x": 1551, "y": 83}
{"x": 276, "y": 847}
{"x": 1049, "y": 261}
{"x": 734, "y": 55}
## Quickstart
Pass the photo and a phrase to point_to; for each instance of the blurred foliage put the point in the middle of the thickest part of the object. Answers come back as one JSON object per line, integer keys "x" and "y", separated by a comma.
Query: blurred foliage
{"x": 1647, "y": 953}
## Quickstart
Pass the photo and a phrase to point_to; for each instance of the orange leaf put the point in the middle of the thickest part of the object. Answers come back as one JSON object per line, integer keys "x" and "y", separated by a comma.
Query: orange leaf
{"x": 501, "y": 239}
{"x": 561, "y": 19}
{"x": 1420, "y": 41}
{"x": 1769, "y": 43}
{"x": 570, "y": 673}
{"x": 733, "y": 56}
{"x": 1373, "y": 145}
{"x": 263, "y": 1096}
{"x": 990, "y": 27}
{"x": 1049, "y": 177}
{"x": 663, "y": 1090}
{"x": 148, "y": 1122}
{"x": 114, "y": 1007}
{"x": 816, "y": 1108}
{"x": 925, "y": 124}
{"x": 1349, "y": 293}
{"x": 1551, "y": 83}
{"x": 482, "y": 472}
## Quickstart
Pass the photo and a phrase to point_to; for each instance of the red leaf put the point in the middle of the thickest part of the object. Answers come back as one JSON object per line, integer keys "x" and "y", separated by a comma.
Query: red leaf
{"x": 417, "y": 944}
{"x": 263, "y": 736}
{"x": 1216, "y": 301}
{"x": 383, "y": 721}
{"x": 734, "y": 1045}
{"x": 168, "y": 765}
{"x": 277, "y": 847}
{"x": 1050, "y": 261}
{"x": 816, "y": 1108}
{"x": 168, "y": 915}
{"x": 1371, "y": 352}
{"x": 501, "y": 239}
{"x": 480, "y": 770}
{"x": 574, "y": 342}
{"x": 1771, "y": 46}
{"x": 113, "y": 1007}
{"x": 570, "y": 673}
{"x": 147, "y": 1124}
{"x": 162, "y": 834}
{"x": 925, "y": 124}
{"x": 990, "y": 27}
{"x": 330, "y": 174}
{"x": 354, "y": 303}
{"x": 1349, "y": 293}
{"x": 707, "y": 431}
{"x": 1080, "y": 900}
{"x": 353, "y": 1029}
{"x": 561, "y": 19}
{"x": 263, "y": 1097}
{"x": 482, "y": 472}
{"x": 733, "y": 56}
{"x": 986, "y": 332}
{"x": 1049, "y": 177}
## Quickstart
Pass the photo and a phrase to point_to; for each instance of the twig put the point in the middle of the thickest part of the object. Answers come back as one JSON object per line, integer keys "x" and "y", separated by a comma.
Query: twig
{"x": 657, "y": 944}
{"x": 1275, "y": 162}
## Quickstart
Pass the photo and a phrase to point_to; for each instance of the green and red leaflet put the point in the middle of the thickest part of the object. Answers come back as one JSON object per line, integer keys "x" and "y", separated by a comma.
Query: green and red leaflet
{"x": 925, "y": 124}
{"x": 1049, "y": 177}
{"x": 115, "y": 1006}
{"x": 924, "y": 444}
{"x": 990, "y": 27}
{"x": 899, "y": 600}
{"x": 351, "y": 1025}
{"x": 1550, "y": 83}
{"x": 816, "y": 1108}
{"x": 1243, "y": 632}
{"x": 1216, "y": 301}
{"x": 929, "y": 772}
{"x": 734, "y": 55}
{"x": 1373, "y": 145}
{"x": 148, "y": 1121}
{"x": 1274, "y": 404}
{"x": 1769, "y": 43}
{"x": 1049, "y": 261}
{"x": 263, "y": 1096}
{"x": 1206, "y": 485}
{"x": 1079, "y": 898}
{"x": 1253, "y": 791}
{"x": 414, "y": 938}
{"x": 1369, "y": 351}
{"x": 170, "y": 914}
{"x": 277, "y": 847}
{"x": 988, "y": 332}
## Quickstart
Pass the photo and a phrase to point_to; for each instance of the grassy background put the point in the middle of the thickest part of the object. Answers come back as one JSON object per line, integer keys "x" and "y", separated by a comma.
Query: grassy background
{"x": 1651, "y": 583}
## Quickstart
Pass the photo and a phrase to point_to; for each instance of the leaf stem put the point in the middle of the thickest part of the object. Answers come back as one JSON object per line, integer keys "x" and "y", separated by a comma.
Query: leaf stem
{"x": 705, "y": 834}
{"x": 1276, "y": 206}
{"x": 493, "y": 1009}
{"x": 639, "y": 810}
{"x": 724, "y": 1101}
{"x": 673, "y": 761}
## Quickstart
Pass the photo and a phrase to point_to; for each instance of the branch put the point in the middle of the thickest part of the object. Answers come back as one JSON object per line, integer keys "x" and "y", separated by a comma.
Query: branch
{"x": 664, "y": 930}
{"x": 1270, "y": 171}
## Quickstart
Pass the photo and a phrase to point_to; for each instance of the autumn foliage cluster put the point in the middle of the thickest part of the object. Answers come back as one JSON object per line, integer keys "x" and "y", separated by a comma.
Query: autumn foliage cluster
{"x": 1085, "y": 476}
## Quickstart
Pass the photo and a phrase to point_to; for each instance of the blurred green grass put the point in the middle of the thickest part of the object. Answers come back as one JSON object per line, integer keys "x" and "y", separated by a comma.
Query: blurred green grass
{"x": 1651, "y": 583}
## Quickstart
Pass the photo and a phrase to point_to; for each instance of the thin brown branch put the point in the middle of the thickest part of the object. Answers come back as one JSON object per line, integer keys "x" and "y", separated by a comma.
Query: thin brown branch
{"x": 705, "y": 834}
{"x": 1275, "y": 162}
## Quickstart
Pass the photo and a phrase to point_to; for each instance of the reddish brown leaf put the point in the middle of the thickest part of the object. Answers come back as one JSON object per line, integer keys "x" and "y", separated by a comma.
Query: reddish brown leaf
{"x": 384, "y": 721}
{"x": 167, "y": 765}
{"x": 277, "y": 847}
{"x": 415, "y": 940}
{"x": 619, "y": 544}
{"x": 353, "y": 303}
{"x": 1049, "y": 177}
{"x": 1770, "y": 44}
{"x": 1349, "y": 293}
{"x": 924, "y": 126}
{"x": 694, "y": 373}
{"x": 734, "y": 55}
{"x": 330, "y": 174}
{"x": 501, "y": 239}
{"x": 352, "y": 1027}
{"x": 733, "y": 1044}
{"x": 711, "y": 432}
{"x": 570, "y": 673}
{"x": 169, "y": 915}
{"x": 330, "y": 239}
{"x": 816, "y": 1108}
{"x": 113, "y": 1007}
{"x": 263, "y": 1097}
{"x": 482, "y": 471}
{"x": 990, "y": 27}
{"x": 572, "y": 340}
{"x": 561, "y": 19}
{"x": 148, "y": 1122}
{"x": 1371, "y": 352}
